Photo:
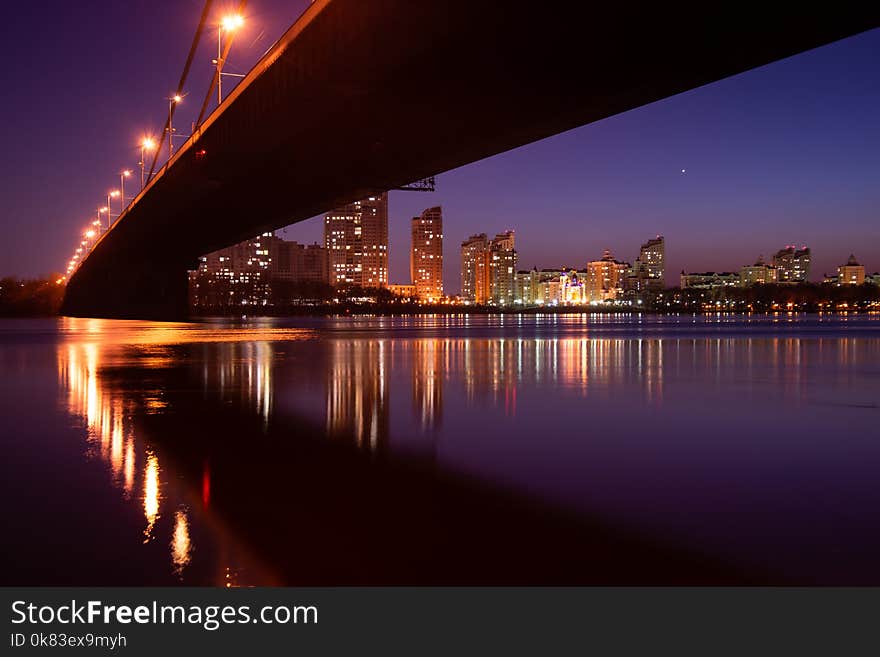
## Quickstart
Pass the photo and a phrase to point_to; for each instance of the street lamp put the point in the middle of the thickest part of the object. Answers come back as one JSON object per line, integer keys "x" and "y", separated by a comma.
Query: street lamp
{"x": 125, "y": 173}
{"x": 147, "y": 144}
{"x": 97, "y": 222}
{"x": 113, "y": 193}
{"x": 175, "y": 99}
{"x": 230, "y": 24}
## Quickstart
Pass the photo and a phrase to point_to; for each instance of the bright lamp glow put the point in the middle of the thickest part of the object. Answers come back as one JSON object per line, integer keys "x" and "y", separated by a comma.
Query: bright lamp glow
{"x": 232, "y": 22}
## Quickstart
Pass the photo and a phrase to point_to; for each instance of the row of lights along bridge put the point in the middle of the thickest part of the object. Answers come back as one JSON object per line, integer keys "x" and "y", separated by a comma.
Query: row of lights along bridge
{"x": 148, "y": 144}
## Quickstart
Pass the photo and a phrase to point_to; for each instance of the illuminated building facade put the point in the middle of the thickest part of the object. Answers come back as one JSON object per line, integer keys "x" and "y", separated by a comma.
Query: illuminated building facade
{"x": 528, "y": 288}
{"x": 474, "y": 269}
{"x": 709, "y": 280}
{"x": 852, "y": 273}
{"x": 243, "y": 274}
{"x": 406, "y": 291}
{"x": 502, "y": 269}
{"x": 426, "y": 255}
{"x": 605, "y": 278}
{"x": 792, "y": 265}
{"x": 239, "y": 275}
{"x": 356, "y": 239}
{"x": 758, "y": 274}
{"x": 649, "y": 270}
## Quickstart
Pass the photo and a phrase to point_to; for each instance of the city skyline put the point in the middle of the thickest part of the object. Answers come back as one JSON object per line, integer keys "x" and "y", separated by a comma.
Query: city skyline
{"x": 786, "y": 152}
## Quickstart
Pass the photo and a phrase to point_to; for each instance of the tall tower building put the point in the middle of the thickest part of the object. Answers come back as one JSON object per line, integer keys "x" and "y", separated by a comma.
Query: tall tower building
{"x": 474, "y": 268}
{"x": 652, "y": 259}
{"x": 502, "y": 268}
{"x": 356, "y": 239}
{"x": 792, "y": 265}
{"x": 426, "y": 254}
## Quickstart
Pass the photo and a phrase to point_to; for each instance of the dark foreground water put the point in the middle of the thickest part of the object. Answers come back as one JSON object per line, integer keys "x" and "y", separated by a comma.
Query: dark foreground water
{"x": 558, "y": 449}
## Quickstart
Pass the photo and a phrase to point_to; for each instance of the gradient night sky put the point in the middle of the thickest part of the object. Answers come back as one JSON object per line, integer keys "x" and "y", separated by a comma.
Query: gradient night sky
{"x": 786, "y": 154}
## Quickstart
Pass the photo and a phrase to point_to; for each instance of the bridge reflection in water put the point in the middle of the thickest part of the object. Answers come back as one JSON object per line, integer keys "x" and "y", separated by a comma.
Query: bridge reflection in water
{"x": 272, "y": 455}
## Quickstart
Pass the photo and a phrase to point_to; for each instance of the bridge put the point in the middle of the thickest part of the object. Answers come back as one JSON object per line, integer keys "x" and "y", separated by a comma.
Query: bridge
{"x": 359, "y": 97}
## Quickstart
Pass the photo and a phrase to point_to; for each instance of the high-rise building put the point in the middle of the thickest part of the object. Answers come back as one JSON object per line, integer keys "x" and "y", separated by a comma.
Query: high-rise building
{"x": 356, "y": 239}
{"x": 649, "y": 270}
{"x": 474, "y": 269}
{"x": 605, "y": 278}
{"x": 792, "y": 264}
{"x": 426, "y": 254}
{"x": 852, "y": 273}
{"x": 652, "y": 258}
{"x": 502, "y": 269}
{"x": 488, "y": 269}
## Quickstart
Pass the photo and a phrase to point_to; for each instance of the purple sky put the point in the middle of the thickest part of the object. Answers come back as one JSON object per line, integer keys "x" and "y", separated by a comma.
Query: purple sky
{"x": 786, "y": 154}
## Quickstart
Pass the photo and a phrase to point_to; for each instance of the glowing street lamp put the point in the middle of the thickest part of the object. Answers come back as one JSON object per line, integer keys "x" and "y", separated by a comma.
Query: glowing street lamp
{"x": 113, "y": 193}
{"x": 174, "y": 100}
{"x": 147, "y": 144}
{"x": 89, "y": 233}
{"x": 229, "y": 24}
{"x": 125, "y": 173}
{"x": 97, "y": 222}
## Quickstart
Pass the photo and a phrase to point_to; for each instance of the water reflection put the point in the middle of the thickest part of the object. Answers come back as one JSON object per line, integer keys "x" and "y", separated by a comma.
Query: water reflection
{"x": 181, "y": 545}
{"x": 557, "y": 408}
{"x": 151, "y": 494}
{"x": 242, "y": 370}
{"x": 95, "y": 367}
{"x": 357, "y": 392}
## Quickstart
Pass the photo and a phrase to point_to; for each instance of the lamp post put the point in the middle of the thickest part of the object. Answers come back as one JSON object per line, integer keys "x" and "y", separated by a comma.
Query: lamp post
{"x": 97, "y": 221}
{"x": 176, "y": 98}
{"x": 229, "y": 24}
{"x": 147, "y": 144}
{"x": 125, "y": 173}
{"x": 111, "y": 194}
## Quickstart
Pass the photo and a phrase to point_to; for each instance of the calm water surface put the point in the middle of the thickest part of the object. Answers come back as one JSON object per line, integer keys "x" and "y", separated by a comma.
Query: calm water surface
{"x": 441, "y": 450}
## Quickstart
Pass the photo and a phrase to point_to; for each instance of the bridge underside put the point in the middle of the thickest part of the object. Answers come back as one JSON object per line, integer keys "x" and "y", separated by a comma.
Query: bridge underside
{"x": 360, "y": 97}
